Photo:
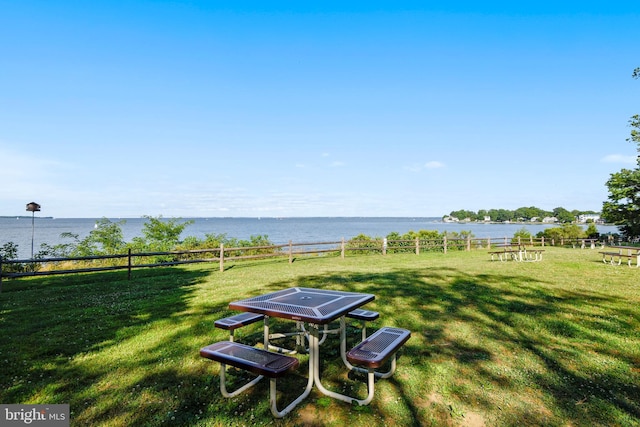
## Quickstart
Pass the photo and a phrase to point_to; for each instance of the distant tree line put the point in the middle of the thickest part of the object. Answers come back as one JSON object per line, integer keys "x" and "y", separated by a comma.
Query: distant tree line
{"x": 521, "y": 214}
{"x": 565, "y": 231}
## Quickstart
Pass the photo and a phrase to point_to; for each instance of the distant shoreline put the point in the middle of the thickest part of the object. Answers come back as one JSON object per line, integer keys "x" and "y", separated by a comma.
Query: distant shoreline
{"x": 433, "y": 219}
{"x": 25, "y": 217}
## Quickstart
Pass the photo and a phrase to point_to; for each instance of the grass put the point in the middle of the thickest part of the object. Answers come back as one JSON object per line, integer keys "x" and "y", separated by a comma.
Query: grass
{"x": 553, "y": 343}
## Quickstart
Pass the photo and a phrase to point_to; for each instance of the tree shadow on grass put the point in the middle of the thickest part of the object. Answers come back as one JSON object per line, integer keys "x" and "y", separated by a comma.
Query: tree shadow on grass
{"x": 49, "y": 322}
{"x": 472, "y": 324}
{"x": 557, "y": 330}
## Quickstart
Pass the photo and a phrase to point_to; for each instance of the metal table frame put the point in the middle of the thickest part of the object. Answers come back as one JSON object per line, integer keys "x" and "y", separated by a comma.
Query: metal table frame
{"x": 317, "y": 308}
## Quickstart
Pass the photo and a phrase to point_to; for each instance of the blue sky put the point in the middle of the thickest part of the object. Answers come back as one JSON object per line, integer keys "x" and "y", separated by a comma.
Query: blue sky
{"x": 200, "y": 108}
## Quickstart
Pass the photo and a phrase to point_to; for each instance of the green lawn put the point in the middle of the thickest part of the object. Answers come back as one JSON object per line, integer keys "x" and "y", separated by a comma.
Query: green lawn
{"x": 550, "y": 343}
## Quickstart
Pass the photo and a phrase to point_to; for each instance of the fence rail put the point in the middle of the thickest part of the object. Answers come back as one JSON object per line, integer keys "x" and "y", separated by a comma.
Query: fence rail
{"x": 222, "y": 254}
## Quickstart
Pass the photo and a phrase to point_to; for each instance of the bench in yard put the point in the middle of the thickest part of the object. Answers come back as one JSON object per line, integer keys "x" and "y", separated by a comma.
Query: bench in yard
{"x": 533, "y": 254}
{"x": 374, "y": 351}
{"x": 370, "y": 354}
{"x": 505, "y": 252}
{"x": 234, "y": 322}
{"x": 263, "y": 363}
{"x": 364, "y": 316}
{"x": 513, "y": 254}
{"x": 613, "y": 256}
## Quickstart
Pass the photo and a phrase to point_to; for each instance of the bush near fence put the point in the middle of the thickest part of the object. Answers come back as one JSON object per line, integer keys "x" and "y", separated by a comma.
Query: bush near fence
{"x": 359, "y": 245}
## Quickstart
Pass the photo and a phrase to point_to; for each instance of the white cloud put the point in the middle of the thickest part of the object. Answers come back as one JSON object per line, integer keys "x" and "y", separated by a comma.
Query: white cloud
{"x": 434, "y": 165}
{"x": 416, "y": 168}
{"x": 619, "y": 158}
{"x": 18, "y": 165}
{"x": 413, "y": 168}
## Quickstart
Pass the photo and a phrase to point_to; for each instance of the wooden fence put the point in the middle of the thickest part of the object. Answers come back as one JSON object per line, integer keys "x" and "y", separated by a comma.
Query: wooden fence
{"x": 222, "y": 254}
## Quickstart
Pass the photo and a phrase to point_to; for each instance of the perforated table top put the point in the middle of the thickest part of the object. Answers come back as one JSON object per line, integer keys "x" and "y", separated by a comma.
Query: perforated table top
{"x": 319, "y": 306}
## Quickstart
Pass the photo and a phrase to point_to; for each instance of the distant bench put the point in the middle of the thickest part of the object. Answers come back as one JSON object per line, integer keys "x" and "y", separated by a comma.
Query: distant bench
{"x": 591, "y": 243}
{"x": 611, "y": 256}
{"x": 517, "y": 253}
{"x": 507, "y": 252}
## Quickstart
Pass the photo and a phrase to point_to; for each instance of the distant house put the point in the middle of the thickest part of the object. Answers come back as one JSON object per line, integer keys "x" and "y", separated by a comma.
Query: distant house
{"x": 549, "y": 219}
{"x": 487, "y": 218}
{"x": 586, "y": 217}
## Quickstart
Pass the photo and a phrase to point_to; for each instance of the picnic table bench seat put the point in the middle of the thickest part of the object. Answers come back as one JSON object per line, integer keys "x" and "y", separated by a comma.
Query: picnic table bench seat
{"x": 236, "y": 321}
{"x": 374, "y": 351}
{"x": 364, "y": 316}
{"x": 261, "y": 362}
{"x": 371, "y": 354}
{"x": 252, "y": 359}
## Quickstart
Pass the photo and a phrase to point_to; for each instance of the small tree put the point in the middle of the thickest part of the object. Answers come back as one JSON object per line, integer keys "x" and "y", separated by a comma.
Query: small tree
{"x": 623, "y": 206}
{"x": 523, "y": 234}
{"x": 9, "y": 251}
{"x": 592, "y": 231}
{"x": 159, "y": 235}
{"x": 108, "y": 236}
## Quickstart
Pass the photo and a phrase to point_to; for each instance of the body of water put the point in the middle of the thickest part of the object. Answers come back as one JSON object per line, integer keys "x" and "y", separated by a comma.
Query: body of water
{"x": 278, "y": 230}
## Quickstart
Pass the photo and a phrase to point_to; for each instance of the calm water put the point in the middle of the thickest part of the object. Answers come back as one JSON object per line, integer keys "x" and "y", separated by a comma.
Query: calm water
{"x": 278, "y": 230}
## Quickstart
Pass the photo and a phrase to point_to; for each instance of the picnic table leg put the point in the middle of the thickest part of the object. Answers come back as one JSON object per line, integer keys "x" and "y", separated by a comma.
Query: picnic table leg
{"x": 223, "y": 383}
{"x": 272, "y": 395}
{"x": 314, "y": 359}
{"x": 300, "y": 335}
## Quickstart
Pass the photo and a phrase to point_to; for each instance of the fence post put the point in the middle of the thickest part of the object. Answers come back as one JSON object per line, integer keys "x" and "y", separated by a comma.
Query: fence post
{"x": 531, "y": 239}
{"x": 542, "y": 241}
{"x": 444, "y": 244}
{"x": 342, "y": 249}
{"x": 417, "y": 246}
{"x": 129, "y": 264}
{"x": 469, "y": 243}
{"x": 221, "y": 257}
{"x": 518, "y": 240}
{"x": 290, "y": 252}
{"x": 384, "y": 246}
{"x": 488, "y": 242}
